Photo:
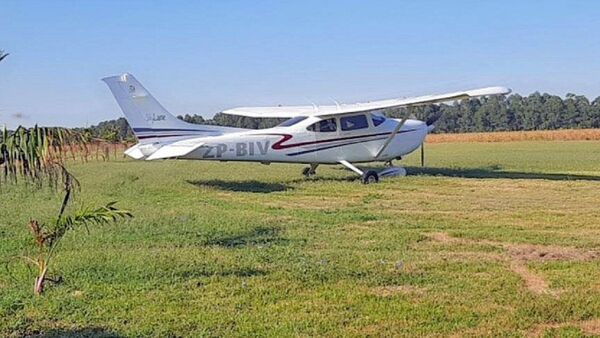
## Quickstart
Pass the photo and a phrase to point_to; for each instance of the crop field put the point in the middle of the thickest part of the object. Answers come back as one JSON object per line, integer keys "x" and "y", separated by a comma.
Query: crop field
{"x": 487, "y": 239}
{"x": 511, "y": 136}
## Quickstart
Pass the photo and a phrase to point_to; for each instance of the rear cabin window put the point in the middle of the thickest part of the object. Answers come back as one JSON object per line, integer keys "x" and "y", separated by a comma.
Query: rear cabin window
{"x": 292, "y": 121}
{"x": 354, "y": 122}
{"x": 377, "y": 119}
{"x": 323, "y": 126}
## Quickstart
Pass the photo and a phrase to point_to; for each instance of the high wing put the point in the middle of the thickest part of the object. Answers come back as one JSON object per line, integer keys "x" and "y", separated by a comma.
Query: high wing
{"x": 293, "y": 111}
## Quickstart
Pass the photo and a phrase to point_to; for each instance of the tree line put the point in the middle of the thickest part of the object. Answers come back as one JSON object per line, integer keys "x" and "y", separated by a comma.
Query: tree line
{"x": 504, "y": 113}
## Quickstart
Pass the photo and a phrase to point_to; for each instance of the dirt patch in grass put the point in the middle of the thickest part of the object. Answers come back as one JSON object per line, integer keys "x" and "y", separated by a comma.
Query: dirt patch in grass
{"x": 534, "y": 282}
{"x": 529, "y": 252}
{"x": 518, "y": 255}
{"x": 392, "y": 290}
{"x": 588, "y": 327}
{"x": 442, "y": 237}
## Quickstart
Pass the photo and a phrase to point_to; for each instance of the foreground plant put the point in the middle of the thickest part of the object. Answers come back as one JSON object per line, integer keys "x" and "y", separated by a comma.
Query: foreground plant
{"x": 3, "y": 55}
{"x": 48, "y": 236}
{"x": 36, "y": 157}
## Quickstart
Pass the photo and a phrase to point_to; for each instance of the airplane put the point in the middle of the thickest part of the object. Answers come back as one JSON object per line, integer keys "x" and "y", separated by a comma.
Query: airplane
{"x": 334, "y": 134}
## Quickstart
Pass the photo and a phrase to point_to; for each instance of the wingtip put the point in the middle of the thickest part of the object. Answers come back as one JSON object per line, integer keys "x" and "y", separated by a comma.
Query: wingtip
{"x": 489, "y": 91}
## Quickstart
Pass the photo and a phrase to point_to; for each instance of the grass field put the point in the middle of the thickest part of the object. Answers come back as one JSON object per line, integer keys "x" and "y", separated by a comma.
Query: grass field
{"x": 488, "y": 239}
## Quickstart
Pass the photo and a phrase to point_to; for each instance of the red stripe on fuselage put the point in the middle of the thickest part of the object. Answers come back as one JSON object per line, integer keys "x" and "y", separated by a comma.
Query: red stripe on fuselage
{"x": 285, "y": 137}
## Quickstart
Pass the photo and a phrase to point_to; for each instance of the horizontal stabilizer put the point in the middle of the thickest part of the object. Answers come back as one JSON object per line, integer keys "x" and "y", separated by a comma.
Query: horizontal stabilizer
{"x": 135, "y": 152}
{"x": 175, "y": 149}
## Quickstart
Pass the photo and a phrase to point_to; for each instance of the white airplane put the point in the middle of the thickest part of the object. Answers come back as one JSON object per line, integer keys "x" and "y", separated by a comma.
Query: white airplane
{"x": 341, "y": 133}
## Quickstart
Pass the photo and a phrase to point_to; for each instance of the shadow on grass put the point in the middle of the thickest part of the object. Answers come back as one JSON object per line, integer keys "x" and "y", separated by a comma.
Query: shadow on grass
{"x": 261, "y": 236}
{"x": 495, "y": 172}
{"x": 316, "y": 179}
{"x": 80, "y": 333}
{"x": 243, "y": 186}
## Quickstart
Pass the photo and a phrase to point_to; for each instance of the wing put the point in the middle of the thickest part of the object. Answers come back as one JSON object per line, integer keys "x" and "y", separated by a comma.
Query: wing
{"x": 293, "y": 111}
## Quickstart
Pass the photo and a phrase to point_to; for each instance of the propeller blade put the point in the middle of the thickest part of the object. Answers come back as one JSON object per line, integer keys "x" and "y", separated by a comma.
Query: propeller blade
{"x": 433, "y": 118}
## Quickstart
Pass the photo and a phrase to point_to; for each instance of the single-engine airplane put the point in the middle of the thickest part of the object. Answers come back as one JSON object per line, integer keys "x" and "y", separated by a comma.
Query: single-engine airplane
{"x": 336, "y": 134}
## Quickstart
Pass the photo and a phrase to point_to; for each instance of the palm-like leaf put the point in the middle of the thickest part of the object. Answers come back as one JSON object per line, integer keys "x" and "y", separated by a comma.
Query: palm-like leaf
{"x": 3, "y": 55}
{"x": 37, "y": 155}
{"x": 47, "y": 237}
{"x": 84, "y": 217}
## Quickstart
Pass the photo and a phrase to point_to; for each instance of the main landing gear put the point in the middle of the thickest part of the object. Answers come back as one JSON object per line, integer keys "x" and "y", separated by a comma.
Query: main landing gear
{"x": 372, "y": 176}
{"x": 310, "y": 171}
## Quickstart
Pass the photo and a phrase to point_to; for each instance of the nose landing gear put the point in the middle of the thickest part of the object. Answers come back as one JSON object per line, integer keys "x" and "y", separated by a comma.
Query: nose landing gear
{"x": 372, "y": 176}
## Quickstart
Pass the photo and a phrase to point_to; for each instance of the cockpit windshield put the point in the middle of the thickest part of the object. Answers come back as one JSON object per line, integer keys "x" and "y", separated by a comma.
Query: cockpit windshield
{"x": 292, "y": 121}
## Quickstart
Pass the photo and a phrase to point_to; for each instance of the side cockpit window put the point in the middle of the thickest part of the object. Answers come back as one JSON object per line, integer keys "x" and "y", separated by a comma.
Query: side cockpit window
{"x": 323, "y": 126}
{"x": 354, "y": 122}
{"x": 377, "y": 119}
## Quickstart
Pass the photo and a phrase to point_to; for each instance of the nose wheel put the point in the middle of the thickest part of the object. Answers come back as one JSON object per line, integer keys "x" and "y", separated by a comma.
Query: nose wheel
{"x": 370, "y": 177}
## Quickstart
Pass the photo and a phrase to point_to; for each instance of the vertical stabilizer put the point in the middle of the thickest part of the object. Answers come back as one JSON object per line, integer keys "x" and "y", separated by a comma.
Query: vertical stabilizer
{"x": 147, "y": 117}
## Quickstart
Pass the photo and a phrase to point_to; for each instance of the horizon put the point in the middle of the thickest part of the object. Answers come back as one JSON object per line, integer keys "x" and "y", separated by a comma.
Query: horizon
{"x": 202, "y": 58}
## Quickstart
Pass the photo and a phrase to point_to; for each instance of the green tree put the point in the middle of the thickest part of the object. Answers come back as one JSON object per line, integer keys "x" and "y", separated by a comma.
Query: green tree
{"x": 594, "y": 113}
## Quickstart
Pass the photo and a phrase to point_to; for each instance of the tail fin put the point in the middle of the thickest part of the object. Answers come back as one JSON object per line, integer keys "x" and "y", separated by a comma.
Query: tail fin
{"x": 148, "y": 118}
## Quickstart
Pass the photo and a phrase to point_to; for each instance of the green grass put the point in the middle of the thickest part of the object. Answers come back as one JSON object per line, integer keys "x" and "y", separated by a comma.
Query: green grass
{"x": 240, "y": 249}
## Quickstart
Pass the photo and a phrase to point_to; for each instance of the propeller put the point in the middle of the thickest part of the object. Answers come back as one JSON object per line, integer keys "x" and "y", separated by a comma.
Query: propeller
{"x": 433, "y": 118}
{"x": 429, "y": 122}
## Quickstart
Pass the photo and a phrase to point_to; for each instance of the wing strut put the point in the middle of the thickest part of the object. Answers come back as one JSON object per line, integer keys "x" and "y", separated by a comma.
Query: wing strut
{"x": 351, "y": 167}
{"x": 392, "y": 135}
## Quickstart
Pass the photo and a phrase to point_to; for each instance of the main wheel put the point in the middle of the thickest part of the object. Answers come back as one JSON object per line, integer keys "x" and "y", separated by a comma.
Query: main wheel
{"x": 370, "y": 177}
{"x": 306, "y": 172}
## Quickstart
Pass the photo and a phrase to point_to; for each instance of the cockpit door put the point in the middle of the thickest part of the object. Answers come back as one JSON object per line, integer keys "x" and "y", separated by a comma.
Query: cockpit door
{"x": 324, "y": 133}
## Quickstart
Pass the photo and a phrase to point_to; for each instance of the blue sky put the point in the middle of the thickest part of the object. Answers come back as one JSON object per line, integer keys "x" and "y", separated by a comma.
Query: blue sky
{"x": 205, "y": 56}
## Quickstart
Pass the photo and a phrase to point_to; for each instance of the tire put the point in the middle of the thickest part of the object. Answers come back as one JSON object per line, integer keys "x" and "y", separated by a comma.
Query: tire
{"x": 370, "y": 177}
{"x": 306, "y": 172}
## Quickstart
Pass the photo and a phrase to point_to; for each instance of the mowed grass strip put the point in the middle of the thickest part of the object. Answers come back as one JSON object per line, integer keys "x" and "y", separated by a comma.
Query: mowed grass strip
{"x": 221, "y": 249}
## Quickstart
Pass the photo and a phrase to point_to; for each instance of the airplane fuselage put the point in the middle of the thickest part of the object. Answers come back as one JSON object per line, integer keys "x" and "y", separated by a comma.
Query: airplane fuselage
{"x": 296, "y": 144}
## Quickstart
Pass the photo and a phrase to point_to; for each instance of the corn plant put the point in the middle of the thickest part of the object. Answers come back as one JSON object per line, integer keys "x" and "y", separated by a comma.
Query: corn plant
{"x": 36, "y": 157}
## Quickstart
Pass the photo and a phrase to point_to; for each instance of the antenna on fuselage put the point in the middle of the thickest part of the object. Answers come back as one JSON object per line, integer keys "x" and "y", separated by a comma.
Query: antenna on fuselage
{"x": 314, "y": 105}
{"x": 337, "y": 104}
